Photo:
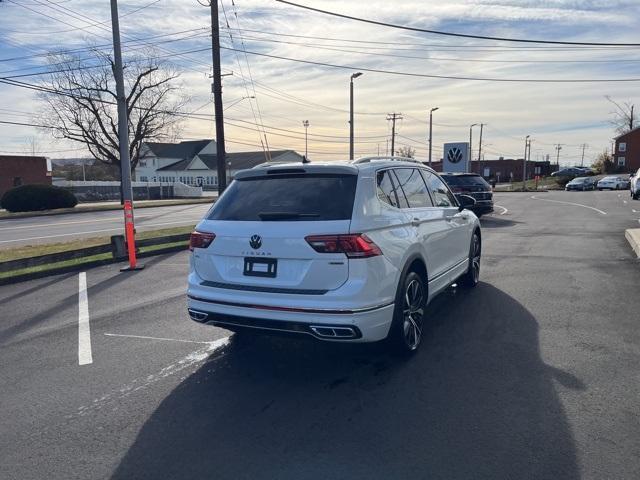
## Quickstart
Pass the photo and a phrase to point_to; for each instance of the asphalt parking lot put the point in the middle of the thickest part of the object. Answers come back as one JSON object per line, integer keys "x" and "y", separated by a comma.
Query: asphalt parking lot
{"x": 534, "y": 374}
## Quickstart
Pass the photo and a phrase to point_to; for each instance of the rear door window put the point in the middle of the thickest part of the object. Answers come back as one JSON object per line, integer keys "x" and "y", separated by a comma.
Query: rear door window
{"x": 413, "y": 186}
{"x": 388, "y": 191}
{"x": 292, "y": 197}
{"x": 442, "y": 197}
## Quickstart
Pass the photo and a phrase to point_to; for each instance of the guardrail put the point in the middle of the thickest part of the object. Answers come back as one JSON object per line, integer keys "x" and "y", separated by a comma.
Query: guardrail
{"x": 116, "y": 248}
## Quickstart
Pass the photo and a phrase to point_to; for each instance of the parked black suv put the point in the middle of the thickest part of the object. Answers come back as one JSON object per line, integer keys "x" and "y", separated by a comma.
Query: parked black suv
{"x": 473, "y": 185}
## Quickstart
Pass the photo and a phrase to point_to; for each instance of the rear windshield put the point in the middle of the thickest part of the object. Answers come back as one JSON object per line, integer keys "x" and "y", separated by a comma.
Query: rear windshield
{"x": 464, "y": 180}
{"x": 298, "y": 197}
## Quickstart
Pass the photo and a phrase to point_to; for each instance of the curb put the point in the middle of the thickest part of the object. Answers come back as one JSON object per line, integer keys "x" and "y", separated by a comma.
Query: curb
{"x": 633, "y": 237}
{"x": 77, "y": 268}
{"x": 64, "y": 211}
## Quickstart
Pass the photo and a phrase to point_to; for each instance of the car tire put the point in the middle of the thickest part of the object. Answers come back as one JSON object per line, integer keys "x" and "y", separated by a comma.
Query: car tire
{"x": 406, "y": 332}
{"x": 472, "y": 277}
{"x": 599, "y": 189}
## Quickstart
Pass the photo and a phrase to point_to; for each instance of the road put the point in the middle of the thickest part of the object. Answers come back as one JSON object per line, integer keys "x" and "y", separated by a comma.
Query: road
{"x": 66, "y": 227}
{"x": 532, "y": 375}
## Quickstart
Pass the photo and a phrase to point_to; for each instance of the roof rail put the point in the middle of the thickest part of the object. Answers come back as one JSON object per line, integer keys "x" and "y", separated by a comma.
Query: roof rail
{"x": 382, "y": 159}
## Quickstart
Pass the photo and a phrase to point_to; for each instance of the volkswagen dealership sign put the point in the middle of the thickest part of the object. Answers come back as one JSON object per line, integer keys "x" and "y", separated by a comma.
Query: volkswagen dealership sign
{"x": 456, "y": 157}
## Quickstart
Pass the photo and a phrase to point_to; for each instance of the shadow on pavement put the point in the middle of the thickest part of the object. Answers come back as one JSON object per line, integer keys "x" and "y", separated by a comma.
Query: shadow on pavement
{"x": 476, "y": 402}
{"x": 496, "y": 222}
{"x": 8, "y": 335}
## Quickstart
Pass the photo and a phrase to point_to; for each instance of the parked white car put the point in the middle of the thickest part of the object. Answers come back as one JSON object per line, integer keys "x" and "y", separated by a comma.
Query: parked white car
{"x": 349, "y": 252}
{"x": 635, "y": 185}
{"x": 613, "y": 183}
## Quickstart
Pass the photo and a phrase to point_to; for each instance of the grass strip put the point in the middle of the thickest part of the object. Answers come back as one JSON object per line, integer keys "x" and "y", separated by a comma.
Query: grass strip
{"x": 26, "y": 251}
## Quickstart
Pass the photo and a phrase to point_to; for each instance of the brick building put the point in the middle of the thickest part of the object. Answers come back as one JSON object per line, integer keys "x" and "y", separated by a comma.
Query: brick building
{"x": 627, "y": 151}
{"x": 507, "y": 169}
{"x": 23, "y": 170}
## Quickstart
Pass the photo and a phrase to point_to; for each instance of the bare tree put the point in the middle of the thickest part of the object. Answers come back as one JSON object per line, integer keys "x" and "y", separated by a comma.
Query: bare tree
{"x": 407, "y": 151}
{"x": 624, "y": 116}
{"x": 32, "y": 146}
{"x": 81, "y": 103}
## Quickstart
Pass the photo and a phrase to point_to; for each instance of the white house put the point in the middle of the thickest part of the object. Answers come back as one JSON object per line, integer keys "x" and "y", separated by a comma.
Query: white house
{"x": 195, "y": 162}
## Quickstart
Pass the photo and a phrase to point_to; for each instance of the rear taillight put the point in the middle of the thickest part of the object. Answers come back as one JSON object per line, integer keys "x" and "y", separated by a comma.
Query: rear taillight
{"x": 356, "y": 245}
{"x": 200, "y": 239}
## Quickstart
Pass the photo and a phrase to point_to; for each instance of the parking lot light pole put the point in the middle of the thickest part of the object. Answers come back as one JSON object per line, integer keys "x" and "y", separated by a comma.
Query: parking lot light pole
{"x": 524, "y": 164}
{"x": 431, "y": 130}
{"x": 355, "y": 75}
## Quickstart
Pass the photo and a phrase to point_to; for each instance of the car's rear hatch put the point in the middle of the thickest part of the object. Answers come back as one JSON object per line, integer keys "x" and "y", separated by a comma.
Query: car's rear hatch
{"x": 472, "y": 185}
{"x": 261, "y": 224}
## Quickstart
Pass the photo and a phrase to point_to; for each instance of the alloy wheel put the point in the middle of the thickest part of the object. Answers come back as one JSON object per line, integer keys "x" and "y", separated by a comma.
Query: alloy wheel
{"x": 413, "y": 313}
{"x": 475, "y": 259}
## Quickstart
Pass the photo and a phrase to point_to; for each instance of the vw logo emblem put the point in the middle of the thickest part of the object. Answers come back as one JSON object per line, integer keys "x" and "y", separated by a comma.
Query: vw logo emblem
{"x": 454, "y": 155}
{"x": 255, "y": 242}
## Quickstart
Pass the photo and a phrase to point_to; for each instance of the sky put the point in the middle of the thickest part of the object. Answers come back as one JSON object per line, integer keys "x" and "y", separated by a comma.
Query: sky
{"x": 288, "y": 92}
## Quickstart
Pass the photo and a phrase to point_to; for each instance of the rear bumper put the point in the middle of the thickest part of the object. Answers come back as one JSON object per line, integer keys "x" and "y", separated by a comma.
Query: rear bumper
{"x": 482, "y": 207}
{"x": 368, "y": 324}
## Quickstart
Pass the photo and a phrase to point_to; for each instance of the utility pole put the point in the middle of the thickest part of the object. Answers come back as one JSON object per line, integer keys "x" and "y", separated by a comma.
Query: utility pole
{"x": 305, "y": 124}
{"x": 355, "y": 75}
{"x": 584, "y": 145}
{"x": 393, "y": 117}
{"x": 217, "y": 97}
{"x": 123, "y": 140}
{"x": 524, "y": 164}
{"x": 480, "y": 142}
{"x": 631, "y": 118}
{"x": 431, "y": 130}
{"x": 470, "y": 144}
{"x": 558, "y": 148}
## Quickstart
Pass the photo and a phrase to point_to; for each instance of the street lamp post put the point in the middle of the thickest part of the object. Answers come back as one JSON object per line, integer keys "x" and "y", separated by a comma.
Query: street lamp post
{"x": 431, "y": 130}
{"x": 355, "y": 75}
{"x": 524, "y": 164}
{"x": 470, "y": 144}
{"x": 305, "y": 124}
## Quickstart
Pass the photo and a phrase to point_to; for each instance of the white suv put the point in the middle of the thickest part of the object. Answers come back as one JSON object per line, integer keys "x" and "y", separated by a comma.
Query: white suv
{"x": 349, "y": 252}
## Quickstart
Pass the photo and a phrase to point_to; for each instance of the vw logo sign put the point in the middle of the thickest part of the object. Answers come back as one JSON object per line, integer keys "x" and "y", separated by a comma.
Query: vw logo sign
{"x": 255, "y": 242}
{"x": 454, "y": 155}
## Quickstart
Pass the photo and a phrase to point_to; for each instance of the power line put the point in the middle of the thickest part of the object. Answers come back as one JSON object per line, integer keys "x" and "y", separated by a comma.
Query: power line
{"x": 446, "y": 59}
{"x": 452, "y": 34}
{"x": 445, "y": 77}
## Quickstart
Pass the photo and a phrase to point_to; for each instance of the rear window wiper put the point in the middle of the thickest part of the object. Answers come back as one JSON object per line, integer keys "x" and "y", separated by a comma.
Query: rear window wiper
{"x": 286, "y": 215}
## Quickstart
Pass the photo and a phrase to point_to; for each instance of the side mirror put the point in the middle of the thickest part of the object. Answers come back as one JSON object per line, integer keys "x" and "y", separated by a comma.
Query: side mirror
{"x": 465, "y": 201}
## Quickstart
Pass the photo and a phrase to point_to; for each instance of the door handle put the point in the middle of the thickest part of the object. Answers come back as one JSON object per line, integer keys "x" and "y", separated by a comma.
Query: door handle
{"x": 415, "y": 222}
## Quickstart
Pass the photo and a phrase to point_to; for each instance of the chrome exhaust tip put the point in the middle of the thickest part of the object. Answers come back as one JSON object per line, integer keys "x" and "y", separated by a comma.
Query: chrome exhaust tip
{"x": 335, "y": 333}
{"x": 197, "y": 315}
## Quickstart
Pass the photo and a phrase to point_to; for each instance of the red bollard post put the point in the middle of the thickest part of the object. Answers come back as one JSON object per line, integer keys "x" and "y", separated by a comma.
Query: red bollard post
{"x": 130, "y": 236}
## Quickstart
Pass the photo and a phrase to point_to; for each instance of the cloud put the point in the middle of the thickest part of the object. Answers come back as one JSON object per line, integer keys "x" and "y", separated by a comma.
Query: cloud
{"x": 289, "y": 92}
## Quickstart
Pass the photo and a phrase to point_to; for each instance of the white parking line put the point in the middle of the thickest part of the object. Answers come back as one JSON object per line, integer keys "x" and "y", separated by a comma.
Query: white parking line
{"x": 569, "y": 203}
{"x": 504, "y": 210}
{"x": 155, "y": 338}
{"x": 84, "y": 332}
